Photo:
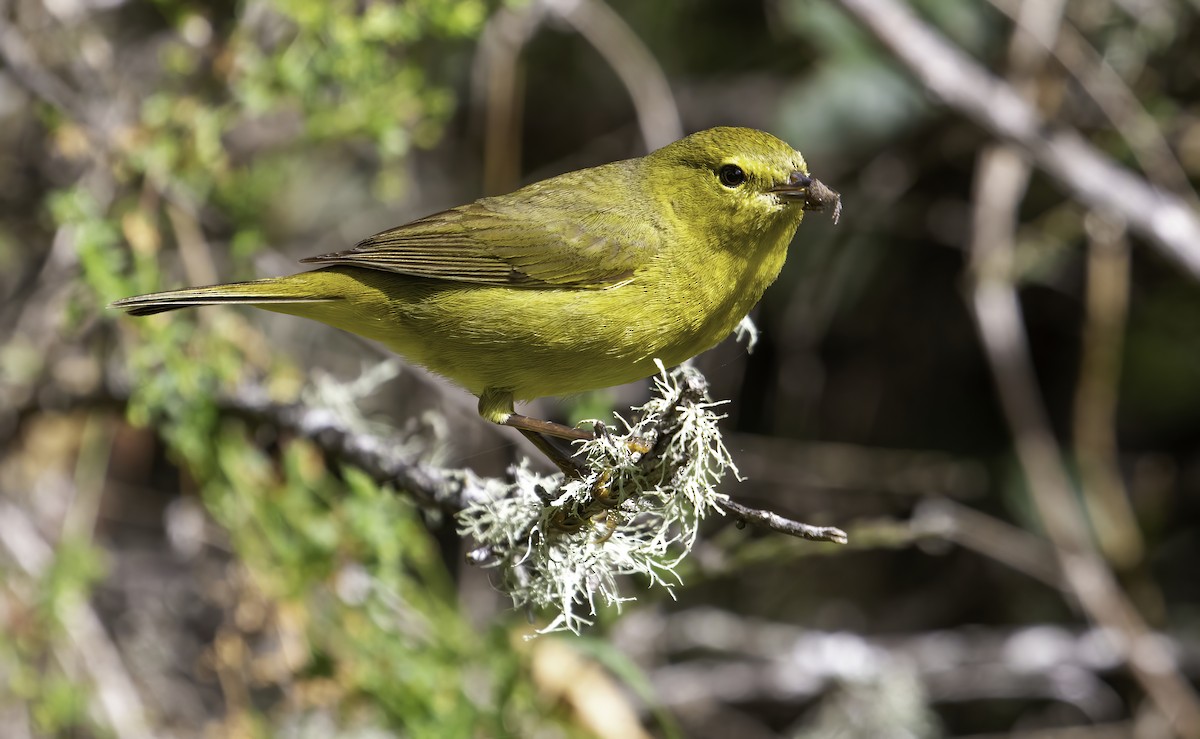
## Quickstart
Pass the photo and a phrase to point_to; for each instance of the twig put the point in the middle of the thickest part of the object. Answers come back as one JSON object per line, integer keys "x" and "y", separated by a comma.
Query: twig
{"x": 775, "y": 522}
{"x": 1095, "y": 420}
{"x": 448, "y": 490}
{"x": 497, "y": 88}
{"x": 643, "y": 78}
{"x": 1164, "y": 220}
{"x": 989, "y": 536}
{"x": 998, "y": 315}
{"x": 497, "y": 78}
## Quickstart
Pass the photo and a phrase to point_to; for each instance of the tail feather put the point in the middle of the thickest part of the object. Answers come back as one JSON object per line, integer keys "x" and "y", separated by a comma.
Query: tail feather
{"x": 258, "y": 292}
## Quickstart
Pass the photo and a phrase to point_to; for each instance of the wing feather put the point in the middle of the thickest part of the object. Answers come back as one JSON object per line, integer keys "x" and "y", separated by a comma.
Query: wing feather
{"x": 533, "y": 237}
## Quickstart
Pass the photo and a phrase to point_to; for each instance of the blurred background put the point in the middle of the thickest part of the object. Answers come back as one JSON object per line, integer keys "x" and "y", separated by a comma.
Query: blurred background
{"x": 1017, "y": 179}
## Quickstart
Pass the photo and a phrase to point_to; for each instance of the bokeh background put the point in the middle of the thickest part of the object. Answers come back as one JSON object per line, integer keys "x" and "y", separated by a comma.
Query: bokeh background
{"x": 1019, "y": 206}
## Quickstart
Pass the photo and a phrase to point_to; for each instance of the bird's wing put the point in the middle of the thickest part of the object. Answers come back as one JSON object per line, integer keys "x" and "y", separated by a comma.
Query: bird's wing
{"x": 527, "y": 242}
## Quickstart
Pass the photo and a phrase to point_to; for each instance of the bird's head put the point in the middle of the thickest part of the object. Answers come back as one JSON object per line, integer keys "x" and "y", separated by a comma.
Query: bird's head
{"x": 738, "y": 177}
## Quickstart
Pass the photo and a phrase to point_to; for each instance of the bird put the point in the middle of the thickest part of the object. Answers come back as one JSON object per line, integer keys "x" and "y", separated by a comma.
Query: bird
{"x": 573, "y": 283}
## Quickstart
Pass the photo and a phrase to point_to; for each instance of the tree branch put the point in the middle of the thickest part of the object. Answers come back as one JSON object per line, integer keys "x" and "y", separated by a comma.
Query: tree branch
{"x": 1163, "y": 219}
{"x": 385, "y": 459}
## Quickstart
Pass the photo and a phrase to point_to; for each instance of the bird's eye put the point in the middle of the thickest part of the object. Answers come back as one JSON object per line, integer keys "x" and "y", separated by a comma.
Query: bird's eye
{"x": 731, "y": 175}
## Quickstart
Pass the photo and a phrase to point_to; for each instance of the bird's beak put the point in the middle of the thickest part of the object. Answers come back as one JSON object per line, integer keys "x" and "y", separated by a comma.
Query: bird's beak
{"x": 811, "y": 192}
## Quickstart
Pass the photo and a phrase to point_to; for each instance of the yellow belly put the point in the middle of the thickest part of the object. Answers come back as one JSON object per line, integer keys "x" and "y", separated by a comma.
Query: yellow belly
{"x": 531, "y": 342}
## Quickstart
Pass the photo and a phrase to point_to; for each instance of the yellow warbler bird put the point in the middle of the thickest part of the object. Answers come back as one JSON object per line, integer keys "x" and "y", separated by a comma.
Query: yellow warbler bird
{"x": 573, "y": 283}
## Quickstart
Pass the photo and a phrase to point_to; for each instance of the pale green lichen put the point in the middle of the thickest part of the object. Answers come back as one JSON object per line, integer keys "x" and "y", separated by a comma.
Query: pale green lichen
{"x": 562, "y": 546}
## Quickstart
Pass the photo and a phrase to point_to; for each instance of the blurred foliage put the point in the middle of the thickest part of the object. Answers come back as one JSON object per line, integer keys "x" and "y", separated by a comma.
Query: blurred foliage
{"x": 32, "y": 651}
{"x": 352, "y": 571}
{"x": 346, "y": 570}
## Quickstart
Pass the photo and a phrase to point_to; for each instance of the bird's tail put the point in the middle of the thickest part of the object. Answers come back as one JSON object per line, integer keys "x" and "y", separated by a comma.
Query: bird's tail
{"x": 259, "y": 292}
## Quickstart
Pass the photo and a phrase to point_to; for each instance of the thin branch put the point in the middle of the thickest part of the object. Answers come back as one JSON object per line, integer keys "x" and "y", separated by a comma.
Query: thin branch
{"x": 998, "y": 315}
{"x": 1096, "y": 396}
{"x": 498, "y": 82}
{"x": 989, "y": 536}
{"x": 498, "y": 88}
{"x": 385, "y": 461}
{"x": 775, "y": 522}
{"x": 1163, "y": 219}
{"x": 643, "y": 78}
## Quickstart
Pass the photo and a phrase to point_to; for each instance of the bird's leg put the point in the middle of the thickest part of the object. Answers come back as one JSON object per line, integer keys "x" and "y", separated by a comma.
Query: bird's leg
{"x": 497, "y": 406}
{"x": 569, "y": 466}
{"x": 549, "y": 428}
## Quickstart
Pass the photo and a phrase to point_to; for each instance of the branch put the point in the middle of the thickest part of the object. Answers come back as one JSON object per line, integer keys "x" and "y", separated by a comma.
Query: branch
{"x": 634, "y": 64}
{"x": 497, "y": 87}
{"x": 767, "y": 520}
{"x": 385, "y": 459}
{"x": 986, "y": 535}
{"x": 1097, "y": 393}
{"x": 498, "y": 82}
{"x": 1163, "y": 219}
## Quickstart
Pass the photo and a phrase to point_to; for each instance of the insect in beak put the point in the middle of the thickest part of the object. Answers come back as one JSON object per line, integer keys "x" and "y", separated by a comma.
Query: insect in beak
{"x": 811, "y": 192}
